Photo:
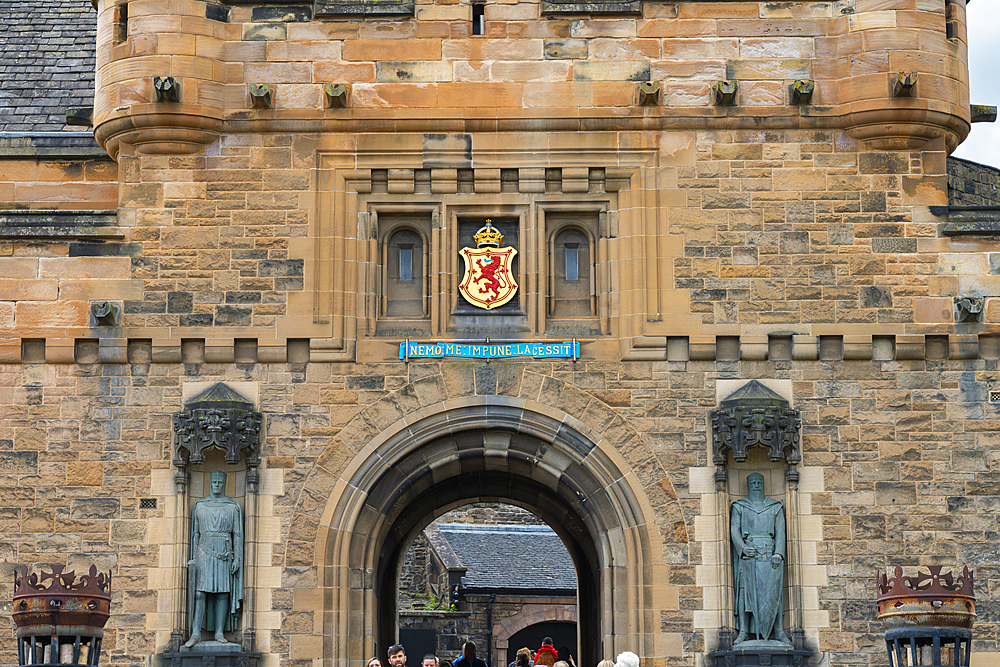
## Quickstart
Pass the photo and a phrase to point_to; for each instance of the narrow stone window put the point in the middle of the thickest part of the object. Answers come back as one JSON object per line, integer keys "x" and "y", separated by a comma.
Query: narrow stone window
{"x": 572, "y": 261}
{"x": 121, "y": 22}
{"x": 951, "y": 22}
{"x": 478, "y": 18}
{"x": 405, "y": 263}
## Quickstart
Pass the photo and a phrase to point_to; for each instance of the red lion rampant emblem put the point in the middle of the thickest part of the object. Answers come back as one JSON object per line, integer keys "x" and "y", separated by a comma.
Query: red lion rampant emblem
{"x": 488, "y": 281}
{"x": 487, "y": 272}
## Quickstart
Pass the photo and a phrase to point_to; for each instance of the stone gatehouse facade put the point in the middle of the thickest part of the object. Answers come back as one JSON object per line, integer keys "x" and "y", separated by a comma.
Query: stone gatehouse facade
{"x": 701, "y": 194}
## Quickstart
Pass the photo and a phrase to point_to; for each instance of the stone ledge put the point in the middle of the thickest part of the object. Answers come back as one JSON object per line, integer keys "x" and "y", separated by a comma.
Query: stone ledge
{"x": 759, "y": 657}
{"x": 59, "y": 224}
{"x": 363, "y": 8}
{"x": 628, "y": 7}
{"x": 50, "y": 145}
{"x": 434, "y": 613}
{"x": 980, "y": 228}
{"x": 970, "y": 220}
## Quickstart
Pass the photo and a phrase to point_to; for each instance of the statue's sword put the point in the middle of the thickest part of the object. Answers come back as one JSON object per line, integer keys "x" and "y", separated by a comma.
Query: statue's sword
{"x": 752, "y": 591}
{"x": 192, "y": 587}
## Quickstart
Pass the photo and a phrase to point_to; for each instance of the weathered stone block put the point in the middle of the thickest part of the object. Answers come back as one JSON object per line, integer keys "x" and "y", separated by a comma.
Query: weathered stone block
{"x": 585, "y": 70}
{"x": 889, "y": 494}
{"x": 95, "y": 508}
{"x": 746, "y": 70}
{"x": 570, "y": 49}
{"x": 416, "y": 72}
{"x": 883, "y": 163}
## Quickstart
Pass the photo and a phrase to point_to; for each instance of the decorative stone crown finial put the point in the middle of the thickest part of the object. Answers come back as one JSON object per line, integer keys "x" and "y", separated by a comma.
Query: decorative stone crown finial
{"x": 488, "y": 235}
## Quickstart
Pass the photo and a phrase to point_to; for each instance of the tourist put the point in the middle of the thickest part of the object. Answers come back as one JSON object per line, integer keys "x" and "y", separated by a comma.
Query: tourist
{"x": 627, "y": 659}
{"x": 397, "y": 655}
{"x": 469, "y": 658}
{"x": 522, "y": 658}
{"x": 606, "y": 663}
{"x": 374, "y": 662}
{"x": 546, "y": 653}
{"x": 430, "y": 660}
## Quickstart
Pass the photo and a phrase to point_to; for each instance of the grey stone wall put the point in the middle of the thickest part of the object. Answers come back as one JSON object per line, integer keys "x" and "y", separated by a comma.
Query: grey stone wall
{"x": 491, "y": 514}
{"x": 413, "y": 582}
{"x": 972, "y": 184}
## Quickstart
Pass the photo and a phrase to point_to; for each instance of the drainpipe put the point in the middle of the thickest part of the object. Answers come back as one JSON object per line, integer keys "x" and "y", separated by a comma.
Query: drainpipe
{"x": 489, "y": 630}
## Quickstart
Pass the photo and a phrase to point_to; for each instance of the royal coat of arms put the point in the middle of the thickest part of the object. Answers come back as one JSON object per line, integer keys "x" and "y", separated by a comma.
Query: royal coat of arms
{"x": 488, "y": 281}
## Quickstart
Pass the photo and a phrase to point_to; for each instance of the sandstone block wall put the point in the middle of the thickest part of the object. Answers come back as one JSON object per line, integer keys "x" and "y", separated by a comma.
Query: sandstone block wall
{"x": 899, "y": 466}
{"x": 796, "y": 243}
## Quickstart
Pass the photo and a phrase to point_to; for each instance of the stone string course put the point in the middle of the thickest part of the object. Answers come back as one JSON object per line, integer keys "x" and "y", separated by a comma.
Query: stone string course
{"x": 778, "y": 347}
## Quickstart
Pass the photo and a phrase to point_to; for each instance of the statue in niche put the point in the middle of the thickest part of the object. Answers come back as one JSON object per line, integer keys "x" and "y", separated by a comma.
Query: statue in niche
{"x": 757, "y": 529}
{"x": 215, "y": 571}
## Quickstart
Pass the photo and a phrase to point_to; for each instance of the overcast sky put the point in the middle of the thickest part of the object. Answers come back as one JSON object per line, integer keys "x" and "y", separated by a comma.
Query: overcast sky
{"x": 983, "y": 144}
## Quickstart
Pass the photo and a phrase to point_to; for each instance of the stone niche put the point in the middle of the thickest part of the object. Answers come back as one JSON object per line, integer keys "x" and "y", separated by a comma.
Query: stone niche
{"x": 219, "y": 429}
{"x": 755, "y": 429}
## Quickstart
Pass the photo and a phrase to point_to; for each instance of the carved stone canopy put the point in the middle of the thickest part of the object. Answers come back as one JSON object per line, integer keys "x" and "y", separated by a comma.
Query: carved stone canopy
{"x": 755, "y": 416}
{"x": 217, "y": 417}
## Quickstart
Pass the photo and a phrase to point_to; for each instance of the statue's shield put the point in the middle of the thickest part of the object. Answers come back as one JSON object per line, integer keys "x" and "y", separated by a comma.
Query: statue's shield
{"x": 488, "y": 281}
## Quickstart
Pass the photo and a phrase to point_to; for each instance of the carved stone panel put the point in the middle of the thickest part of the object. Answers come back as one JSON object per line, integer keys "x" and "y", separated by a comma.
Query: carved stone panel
{"x": 218, "y": 417}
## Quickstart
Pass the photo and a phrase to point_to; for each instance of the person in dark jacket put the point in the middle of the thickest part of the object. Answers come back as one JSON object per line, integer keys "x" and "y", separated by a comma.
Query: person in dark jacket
{"x": 469, "y": 658}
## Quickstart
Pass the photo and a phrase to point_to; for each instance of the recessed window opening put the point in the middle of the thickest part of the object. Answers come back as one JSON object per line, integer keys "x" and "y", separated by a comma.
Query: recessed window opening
{"x": 405, "y": 263}
{"x": 121, "y": 22}
{"x": 951, "y": 24}
{"x": 572, "y": 261}
{"x": 478, "y": 19}
{"x": 572, "y": 279}
{"x": 405, "y": 276}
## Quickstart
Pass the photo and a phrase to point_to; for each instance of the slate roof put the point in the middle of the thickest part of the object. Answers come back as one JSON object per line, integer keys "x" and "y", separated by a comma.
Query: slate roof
{"x": 46, "y": 62}
{"x": 511, "y": 557}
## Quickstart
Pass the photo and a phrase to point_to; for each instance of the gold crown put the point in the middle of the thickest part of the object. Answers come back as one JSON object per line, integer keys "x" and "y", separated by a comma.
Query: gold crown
{"x": 488, "y": 235}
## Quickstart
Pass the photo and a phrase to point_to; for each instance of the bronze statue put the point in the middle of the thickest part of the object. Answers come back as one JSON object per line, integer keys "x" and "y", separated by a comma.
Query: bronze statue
{"x": 215, "y": 571}
{"x": 757, "y": 528}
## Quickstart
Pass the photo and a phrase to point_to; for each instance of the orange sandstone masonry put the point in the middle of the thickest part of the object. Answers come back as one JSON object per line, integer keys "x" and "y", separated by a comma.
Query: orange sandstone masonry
{"x": 688, "y": 245}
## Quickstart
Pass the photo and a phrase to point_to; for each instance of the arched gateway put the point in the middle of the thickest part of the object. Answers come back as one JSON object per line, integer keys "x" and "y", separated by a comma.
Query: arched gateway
{"x": 490, "y": 448}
